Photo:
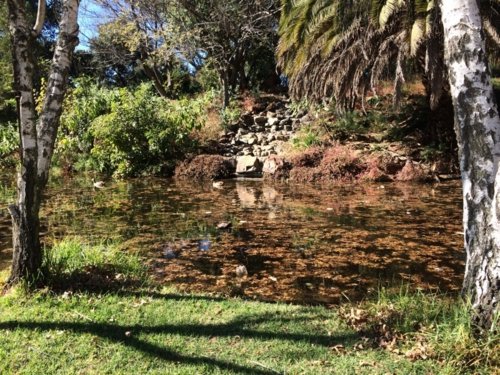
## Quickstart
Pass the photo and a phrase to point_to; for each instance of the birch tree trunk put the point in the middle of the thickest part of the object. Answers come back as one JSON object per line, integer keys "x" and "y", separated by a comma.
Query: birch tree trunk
{"x": 27, "y": 256}
{"x": 477, "y": 126}
{"x": 37, "y": 136}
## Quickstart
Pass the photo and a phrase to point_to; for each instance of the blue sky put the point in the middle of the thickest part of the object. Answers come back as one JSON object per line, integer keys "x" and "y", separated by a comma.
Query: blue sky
{"x": 90, "y": 16}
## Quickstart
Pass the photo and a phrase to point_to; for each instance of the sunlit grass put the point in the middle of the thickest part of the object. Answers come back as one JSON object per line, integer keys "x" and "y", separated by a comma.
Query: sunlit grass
{"x": 130, "y": 325}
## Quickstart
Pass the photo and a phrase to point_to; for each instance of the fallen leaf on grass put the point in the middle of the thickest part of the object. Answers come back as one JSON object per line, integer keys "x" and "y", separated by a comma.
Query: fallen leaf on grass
{"x": 339, "y": 348}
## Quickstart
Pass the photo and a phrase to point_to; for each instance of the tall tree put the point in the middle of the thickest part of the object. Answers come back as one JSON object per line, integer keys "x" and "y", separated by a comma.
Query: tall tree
{"x": 5, "y": 65}
{"x": 477, "y": 125}
{"x": 37, "y": 135}
{"x": 152, "y": 36}
{"x": 227, "y": 31}
{"x": 341, "y": 49}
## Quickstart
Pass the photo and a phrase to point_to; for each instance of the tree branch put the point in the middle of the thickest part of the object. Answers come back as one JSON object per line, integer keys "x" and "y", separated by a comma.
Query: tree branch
{"x": 40, "y": 18}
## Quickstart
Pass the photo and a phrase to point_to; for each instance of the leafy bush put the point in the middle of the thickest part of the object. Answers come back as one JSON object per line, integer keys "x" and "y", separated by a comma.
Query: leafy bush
{"x": 308, "y": 136}
{"x": 207, "y": 77}
{"x": 230, "y": 114}
{"x": 9, "y": 142}
{"x": 348, "y": 124}
{"x": 126, "y": 132}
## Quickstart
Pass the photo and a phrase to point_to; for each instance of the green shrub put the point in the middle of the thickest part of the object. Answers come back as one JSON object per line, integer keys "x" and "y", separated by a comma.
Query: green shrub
{"x": 84, "y": 104}
{"x": 125, "y": 132}
{"x": 208, "y": 78}
{"x": 230, "y": 114}
{"x": 308, "y": 136}
{"x": 350, "y": 123}
{"x": 9, "y": 142}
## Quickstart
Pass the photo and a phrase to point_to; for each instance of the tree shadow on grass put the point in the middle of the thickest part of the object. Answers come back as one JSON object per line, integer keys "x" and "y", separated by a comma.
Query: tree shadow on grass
{"x": 236, "y": 327}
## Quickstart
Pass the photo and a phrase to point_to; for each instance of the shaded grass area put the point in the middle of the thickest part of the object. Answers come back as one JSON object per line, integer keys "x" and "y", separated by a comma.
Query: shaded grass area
{"x": 124, "y": 324}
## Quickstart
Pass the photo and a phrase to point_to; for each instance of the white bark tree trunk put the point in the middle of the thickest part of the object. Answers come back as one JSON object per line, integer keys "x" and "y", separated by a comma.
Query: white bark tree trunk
{"x": 477, "y": 125}
{"x": 37, "y": 137}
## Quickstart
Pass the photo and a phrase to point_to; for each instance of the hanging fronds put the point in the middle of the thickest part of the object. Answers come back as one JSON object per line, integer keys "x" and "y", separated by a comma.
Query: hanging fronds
{"x": 341, "y": 49}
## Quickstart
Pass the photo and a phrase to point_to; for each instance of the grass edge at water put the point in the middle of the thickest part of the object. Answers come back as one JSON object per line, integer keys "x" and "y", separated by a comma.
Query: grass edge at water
{"x": 430, "y": 330}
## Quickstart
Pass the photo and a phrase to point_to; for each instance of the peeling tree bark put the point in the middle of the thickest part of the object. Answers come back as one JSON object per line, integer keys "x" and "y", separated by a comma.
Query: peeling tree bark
{"x": 37, "y": 138}
{"x": 477, "y": 126}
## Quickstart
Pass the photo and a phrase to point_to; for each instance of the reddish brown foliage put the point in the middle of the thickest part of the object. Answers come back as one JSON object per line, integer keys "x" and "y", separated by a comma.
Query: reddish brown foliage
{"x": 206, "y": 167}
{"x": 337, "y": 163}
{"x": 309, "y": 158}
{"x": 341, "y": 163}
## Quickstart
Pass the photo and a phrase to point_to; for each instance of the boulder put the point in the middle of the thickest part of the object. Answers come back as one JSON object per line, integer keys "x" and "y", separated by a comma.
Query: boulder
{"x": 260, "y": 120}
{"x": 247, "y": 119}
{"x": 276, "y": 167}
{"x": 285, "y": 121}
{"x": 248, "y": 165}
{"x": 273, "y": 121}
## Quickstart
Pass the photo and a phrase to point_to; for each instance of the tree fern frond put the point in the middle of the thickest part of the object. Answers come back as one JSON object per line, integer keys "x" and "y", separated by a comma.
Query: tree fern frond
{"x": 417, "y": 35}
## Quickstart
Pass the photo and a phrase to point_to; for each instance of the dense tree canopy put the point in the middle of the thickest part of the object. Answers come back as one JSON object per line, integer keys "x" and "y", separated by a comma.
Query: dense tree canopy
{"x": 343, "y": 49}
{"x": 157, "y": 38}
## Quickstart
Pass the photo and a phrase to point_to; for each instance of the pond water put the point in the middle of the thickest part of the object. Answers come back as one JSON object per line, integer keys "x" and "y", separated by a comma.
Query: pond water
{"x": 298, "y": 243}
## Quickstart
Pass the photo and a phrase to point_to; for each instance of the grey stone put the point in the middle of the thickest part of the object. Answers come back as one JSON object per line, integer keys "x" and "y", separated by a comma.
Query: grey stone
{"x": 285, "y": 121}
{"x": 273, "y": 121}
{"x": 248, "y": 165}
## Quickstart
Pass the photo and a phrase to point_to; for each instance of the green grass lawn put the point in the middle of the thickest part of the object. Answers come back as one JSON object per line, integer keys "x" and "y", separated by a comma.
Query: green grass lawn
{"x": 113, "y": 321}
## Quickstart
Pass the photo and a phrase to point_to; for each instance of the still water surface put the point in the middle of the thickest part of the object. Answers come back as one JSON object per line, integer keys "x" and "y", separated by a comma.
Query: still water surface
{"x": 299, "y": 243}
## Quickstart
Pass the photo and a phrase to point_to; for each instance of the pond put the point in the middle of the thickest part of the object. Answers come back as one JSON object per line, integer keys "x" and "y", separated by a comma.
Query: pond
{"x": 298, "y": 243}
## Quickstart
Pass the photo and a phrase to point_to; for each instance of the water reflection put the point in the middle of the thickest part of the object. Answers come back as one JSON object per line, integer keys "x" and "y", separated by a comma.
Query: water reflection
{"x": 298, "y": 243}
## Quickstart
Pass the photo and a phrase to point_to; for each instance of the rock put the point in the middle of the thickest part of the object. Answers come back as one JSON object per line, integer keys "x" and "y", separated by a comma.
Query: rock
{"x": 273, "y": 121}
{"x": 286, "y": 121}
{"x": 248, "y": 165}
{"x": 241, "y": 271}
{"x": 224, "y": 225}
{"x": 257, "y": 128}
{"x": 233, "y": 127}
{"x": 241, "y": 132}
{"x": 271, "y": 137}
{"x": 271, "y": 115}
{"x": 304, "y": 119}
{"x": 247, "y": 119}
{"x": 260, "y": 120}
{"x": 272, "y": 164}
{"x": 169, "y": 253}
{"x": 276, "y": 168}
{"x": 247, "y": 151}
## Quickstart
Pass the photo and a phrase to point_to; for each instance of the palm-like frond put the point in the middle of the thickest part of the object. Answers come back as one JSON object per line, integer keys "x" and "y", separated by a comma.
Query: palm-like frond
{"x": 342, "y": 48}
